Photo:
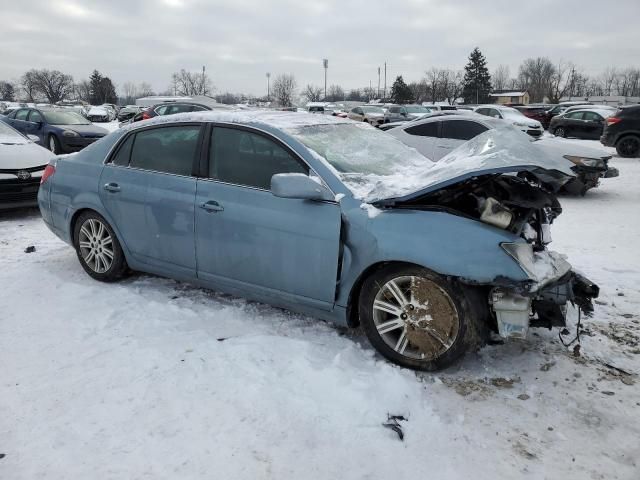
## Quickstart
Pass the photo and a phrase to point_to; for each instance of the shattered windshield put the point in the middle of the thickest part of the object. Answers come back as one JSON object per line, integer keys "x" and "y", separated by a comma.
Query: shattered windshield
{"x": 374, "y": 165}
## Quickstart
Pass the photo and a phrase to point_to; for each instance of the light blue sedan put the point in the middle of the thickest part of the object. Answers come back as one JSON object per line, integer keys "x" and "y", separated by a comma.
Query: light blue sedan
{"x": 330, "y": 218}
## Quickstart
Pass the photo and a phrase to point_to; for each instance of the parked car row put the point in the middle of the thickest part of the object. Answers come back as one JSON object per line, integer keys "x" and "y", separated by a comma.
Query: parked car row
{"x": 436, "y": 136}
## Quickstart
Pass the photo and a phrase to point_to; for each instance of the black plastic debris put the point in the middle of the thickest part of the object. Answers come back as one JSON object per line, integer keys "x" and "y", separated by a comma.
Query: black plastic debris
{"x": 393, "y": 423}
{"x": 2, "y": 455}
{"x": 30, "y": 249}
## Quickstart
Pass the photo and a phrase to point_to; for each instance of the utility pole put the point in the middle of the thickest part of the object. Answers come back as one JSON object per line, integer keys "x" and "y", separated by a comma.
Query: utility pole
{"x": 371, "y": 88}
{"x": 378, "y": 95}
{"x": 204, "y": 84}
{"x": 268, "y": 87}
{"x": 385, "y": 80}
{"x": 325, "y": 64}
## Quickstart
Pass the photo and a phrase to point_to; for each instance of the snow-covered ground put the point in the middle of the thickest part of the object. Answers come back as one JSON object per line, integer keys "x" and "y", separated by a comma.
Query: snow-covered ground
{"x": 151, "y": 378}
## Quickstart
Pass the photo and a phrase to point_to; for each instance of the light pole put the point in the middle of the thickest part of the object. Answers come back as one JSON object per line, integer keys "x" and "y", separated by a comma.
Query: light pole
{"x": 268, "y": 87}
{"x": 325, "y": 64}
{"x": 378, "y": 95}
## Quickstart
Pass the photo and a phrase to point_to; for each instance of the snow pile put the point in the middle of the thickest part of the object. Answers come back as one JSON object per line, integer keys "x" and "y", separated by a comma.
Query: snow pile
{"x": 152, "y": 378}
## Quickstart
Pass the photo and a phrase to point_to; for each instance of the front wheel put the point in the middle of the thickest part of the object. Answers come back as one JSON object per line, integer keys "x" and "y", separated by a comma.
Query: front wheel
{"x": 98, "y": 249}
{"x": 628, "y": 147}
{"x": 54, "y": 145}
{"x": 415, "y": 318}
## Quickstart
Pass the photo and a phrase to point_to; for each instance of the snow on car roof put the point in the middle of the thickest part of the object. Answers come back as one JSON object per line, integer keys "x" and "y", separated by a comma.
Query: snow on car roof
{"x": 277, "y": 119}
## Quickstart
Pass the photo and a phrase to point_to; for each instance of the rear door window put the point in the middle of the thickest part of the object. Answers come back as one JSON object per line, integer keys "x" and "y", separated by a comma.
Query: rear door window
{"x": 429, "y": 129}
{"x": 122, "y": 156}
{"x": 592, "y": 117}
{"x": 575, "y": 115}
{"x": 22, "y": 114}
{"x": 166, "y": 149}
{"x": 245, "y": 158}
{"x": 35, "y": 116}
{"x": 461, "y": 129}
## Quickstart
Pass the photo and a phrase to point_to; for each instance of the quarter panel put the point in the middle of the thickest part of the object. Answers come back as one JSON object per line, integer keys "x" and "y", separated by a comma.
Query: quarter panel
{"x": 442, "y": 242}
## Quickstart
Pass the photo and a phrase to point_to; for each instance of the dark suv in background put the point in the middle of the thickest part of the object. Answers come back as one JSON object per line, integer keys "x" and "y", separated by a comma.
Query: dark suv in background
{"x": 622, "y": 131}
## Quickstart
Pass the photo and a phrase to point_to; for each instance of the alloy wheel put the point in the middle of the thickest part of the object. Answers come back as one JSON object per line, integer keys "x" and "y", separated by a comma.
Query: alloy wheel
{"x": 415, "y": 317}
{"x": 629, "y": 146}
{"x": 96, "y": 245}
{"x": 560, "y": 132}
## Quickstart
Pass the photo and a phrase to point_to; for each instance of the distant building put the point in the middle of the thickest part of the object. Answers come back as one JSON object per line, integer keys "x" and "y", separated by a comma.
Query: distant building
{"x": 504, "y": 97}
{"x": 613, "y": 100}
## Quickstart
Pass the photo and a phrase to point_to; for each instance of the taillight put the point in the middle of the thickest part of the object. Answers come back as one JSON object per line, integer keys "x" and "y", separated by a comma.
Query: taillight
{"x": 145, "y": 116}
{"x": 613, "y": 120}
{"x": 48, "y": 172}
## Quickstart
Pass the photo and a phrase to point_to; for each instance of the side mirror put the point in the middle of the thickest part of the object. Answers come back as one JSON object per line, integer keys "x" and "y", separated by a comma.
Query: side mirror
{"x": 404, "y": 114}
{"x": 300, "y": 186}
{"x": 34, "y": 138}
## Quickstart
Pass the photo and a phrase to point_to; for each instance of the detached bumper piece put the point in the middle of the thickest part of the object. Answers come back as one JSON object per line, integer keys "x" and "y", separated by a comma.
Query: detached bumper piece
{"x": 515, "y": 313}
{"x": 611, "y": 172}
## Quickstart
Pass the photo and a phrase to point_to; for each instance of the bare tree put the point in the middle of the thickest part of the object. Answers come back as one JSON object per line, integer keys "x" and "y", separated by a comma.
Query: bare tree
{"x": 500, "y": 77}
{"x": 129, "y": 90}
{"x": 28, "y": 84}
{"x": 144, "y": 90}
{"x": 335, "y": 93}
{"x": 53, "y": 84}
{"x": 312, "y": 93}
{"x": 283, "y": 89}
{"x": 83, "y": 90}
{"x": 191, "y": 83}
{"x": 535, "y": 75}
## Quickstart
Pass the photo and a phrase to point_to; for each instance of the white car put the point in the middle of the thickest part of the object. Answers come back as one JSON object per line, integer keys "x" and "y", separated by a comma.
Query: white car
{"x": 436, "y": 137}
{"x": 367, "y": 113}
{"x": 513, "y": 116}
{"x": 100, "y": 114}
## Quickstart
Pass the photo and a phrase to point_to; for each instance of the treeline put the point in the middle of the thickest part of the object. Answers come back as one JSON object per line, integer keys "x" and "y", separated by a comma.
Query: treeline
{"x": 52, "y": 86}
{"x": 544, "y": 79}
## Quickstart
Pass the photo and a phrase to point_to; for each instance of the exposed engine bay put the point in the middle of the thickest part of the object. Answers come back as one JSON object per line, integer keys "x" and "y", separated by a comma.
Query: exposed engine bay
{"x": 519, "y": 204}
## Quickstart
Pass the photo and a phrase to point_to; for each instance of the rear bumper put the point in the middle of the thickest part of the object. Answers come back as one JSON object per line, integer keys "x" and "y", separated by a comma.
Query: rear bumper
{"x": 608, "y": 140}
{"x": 515, "y": 313}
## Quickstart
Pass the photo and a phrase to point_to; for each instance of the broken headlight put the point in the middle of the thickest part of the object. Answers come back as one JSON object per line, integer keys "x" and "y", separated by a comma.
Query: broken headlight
{"x": 587, "y": 162}
{"x": 496, "y": 214}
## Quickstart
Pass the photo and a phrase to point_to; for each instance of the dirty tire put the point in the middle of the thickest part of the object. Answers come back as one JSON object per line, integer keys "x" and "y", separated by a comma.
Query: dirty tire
{"x": 560, "y": 132}
{"x": 86, "y": 231}
{"x": 628, "y": 146}
{"x": 436, "y": 327}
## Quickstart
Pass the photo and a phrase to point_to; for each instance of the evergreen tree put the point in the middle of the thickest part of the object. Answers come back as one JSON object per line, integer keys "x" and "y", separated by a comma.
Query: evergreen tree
{"x": 108, "y": 91}
{"x": 400, "y": 91}
{"x": 477, "y": 80}
{"x": 95, "y": 88}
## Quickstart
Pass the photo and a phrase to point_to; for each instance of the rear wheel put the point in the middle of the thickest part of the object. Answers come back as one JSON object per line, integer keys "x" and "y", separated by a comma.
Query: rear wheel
{"x": 98, "y": 248}
{"x": 54, "y": 144}
{"x": 628, "y": 146}
{"x": 560, "y": 132}
{"x": 416, "y": 318}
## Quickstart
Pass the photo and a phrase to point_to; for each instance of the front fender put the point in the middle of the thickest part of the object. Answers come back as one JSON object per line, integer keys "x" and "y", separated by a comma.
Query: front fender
{"x": 442, "y": 242}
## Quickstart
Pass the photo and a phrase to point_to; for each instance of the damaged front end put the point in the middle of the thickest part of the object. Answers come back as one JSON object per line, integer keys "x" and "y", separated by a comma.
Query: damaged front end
{"x": 588, "y": 173}
{"x": 525, "y": 204}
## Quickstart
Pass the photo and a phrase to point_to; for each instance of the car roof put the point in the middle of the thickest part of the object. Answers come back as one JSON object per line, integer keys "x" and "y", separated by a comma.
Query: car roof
{"x": 278, "y": 119}
{"x": 601, "y": 111}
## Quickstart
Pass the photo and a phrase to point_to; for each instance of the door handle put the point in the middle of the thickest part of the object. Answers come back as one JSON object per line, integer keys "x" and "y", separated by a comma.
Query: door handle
{"x": 112, "y": 187}
{"x": 211, "y": 206}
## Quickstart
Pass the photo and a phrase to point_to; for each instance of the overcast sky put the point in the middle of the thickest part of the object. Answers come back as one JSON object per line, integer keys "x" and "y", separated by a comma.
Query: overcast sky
{"x": 240, "y": 40}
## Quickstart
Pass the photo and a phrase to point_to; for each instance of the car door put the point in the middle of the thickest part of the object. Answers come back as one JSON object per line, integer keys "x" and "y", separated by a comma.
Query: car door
{"x": 19, "y": 120}
{"x": 593, "y": 125}
{"x": 454, "y": 133}
{"x": 574, "y": 124}
{"x": 149, "y": 191}
{"x": 35, "y": 125}
{"x": 250, "y": 241}
{"x": 357, "y": 114}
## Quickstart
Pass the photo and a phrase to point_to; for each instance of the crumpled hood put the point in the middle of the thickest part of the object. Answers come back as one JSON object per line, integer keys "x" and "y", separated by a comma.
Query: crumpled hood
{"x": 496, "y": 151}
